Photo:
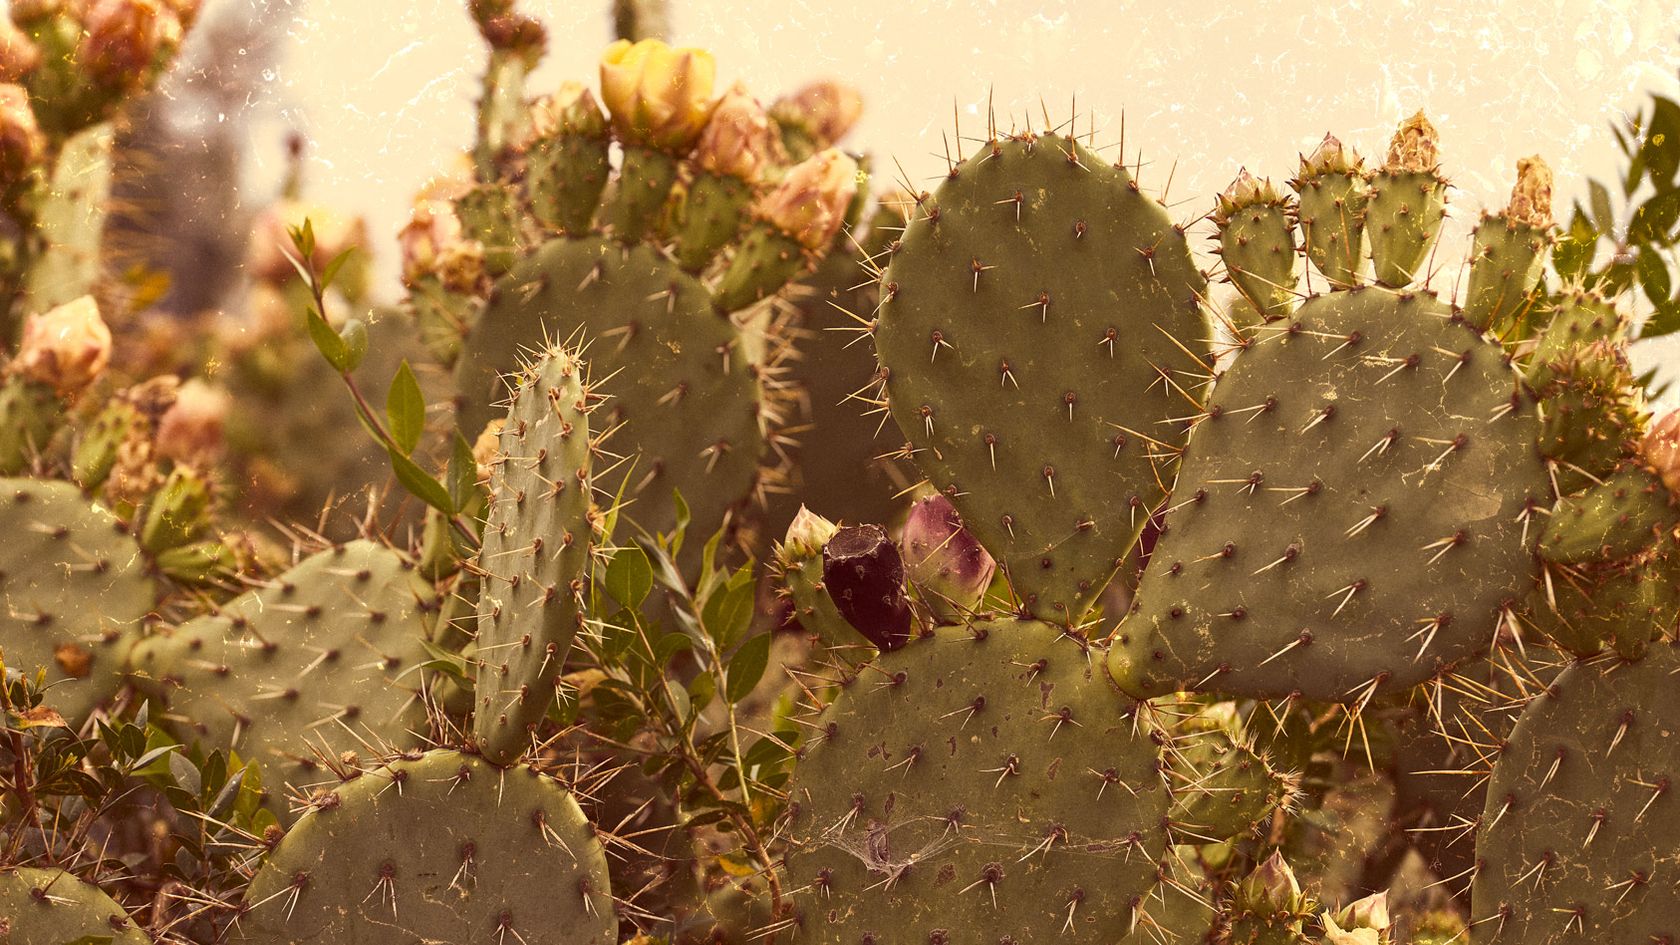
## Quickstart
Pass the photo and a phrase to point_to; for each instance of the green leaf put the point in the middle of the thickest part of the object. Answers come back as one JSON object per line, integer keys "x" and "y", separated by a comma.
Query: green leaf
{"x": 1661, "y": 151}
{"x": 405, "y": 409}
{"x": 355, "y": 336}
{"x": 629, "y": 576}
{"x": 328, "y": 342}
{"x": 1603, "y": 217}
{"x": 1664, "y": 321}
{"x": 747, "y": 667}
{"x": 421, "y": 485}
{"x": 728, "y": 613}
{"x": 463, "y": 472}
{"x": 1654, "y": 221}
{"x": 1653, "y": 276}
{"x": 337, "y": 263}
{"x": 683, "y": 518}
{"x": 1575, "y": 247}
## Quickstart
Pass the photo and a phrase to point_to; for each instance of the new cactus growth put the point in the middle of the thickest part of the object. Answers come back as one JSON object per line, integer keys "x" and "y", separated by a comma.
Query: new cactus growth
{"x": 1038, "y": 324}
{"x": 1333, "y": 191}
{"x": 1577, "y": 841}
{"x": 1407, "y": 202}
{"x": 948, "y": 569}
{"x": 979, "y": 784}
{"x": 54, "y": 907}
{"x": 75, "y": 590}
{"x": 335, "y": 643}
{"x": 532, "y": 564}
{"x": 437, "y": 847}
{"x": 1257, "y": 242}
{"x": 1352, "y": 512}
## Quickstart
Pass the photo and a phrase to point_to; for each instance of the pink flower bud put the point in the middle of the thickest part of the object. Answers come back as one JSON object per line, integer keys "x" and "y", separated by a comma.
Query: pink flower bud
{"x": 825, "y": 110}
{"x": 1661, "y": 448}
{"x": 67, "y": 347}
{"x": 810, "y": 203}
{"x": 123, "y": 38}
{"x": 659, "y": 97}
{"x": 21, "y": 143}
{"x": 18, "y": 53}
{"x": 738, "y": 141}
{"x": 1331, "y": 157}
{"x": 190, "y": 431}
{"x": 570, "y": 110}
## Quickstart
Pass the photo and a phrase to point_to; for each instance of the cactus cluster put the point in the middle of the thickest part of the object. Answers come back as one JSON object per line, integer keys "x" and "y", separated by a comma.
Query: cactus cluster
{"x": 1291, "y": 600}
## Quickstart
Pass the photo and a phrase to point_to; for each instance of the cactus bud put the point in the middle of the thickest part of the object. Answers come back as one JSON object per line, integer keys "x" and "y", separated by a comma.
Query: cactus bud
{"x": 659, "y": 97}
{"x": 190, "y": 431}
{"x": 67, "y": 347}
{"x": 1332, "y": 157}
{"x": 1270, "y": 888}
{"x": 515, "y": 33}
{"x": 1415, "y": 147}
{"x": 1245, "y": 191}
{"x": 738, "y": 141}
{"x": 21, "y": 142}
{"x": 1531, "y": 198}
{"x": 865, "y": 577}
{"x": 1661, "y": 448}
{"x": 18, "y": 53}
{"x": 810, "y": 202}
{"x": 943, "y": 560}
{"x": 570, "y": 110}
{"x": 123, "y": 38}
{"x": 1364, "y": 922}
{"x": 806, "y": 536}
{"x": 824, "y": 110}
{"x": 433, "y": 244}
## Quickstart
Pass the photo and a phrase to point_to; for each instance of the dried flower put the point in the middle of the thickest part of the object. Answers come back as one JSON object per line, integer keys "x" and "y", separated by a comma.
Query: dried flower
{"x": 434, "y": 244}
{"x": 1531, "y": 198}
{"x": 122, "y": 39}
{"x": 825, "y": 110}
{"x": 18, "y": 53}
{"x": 1415, "y": 147}
{"x": 739, "y": 140}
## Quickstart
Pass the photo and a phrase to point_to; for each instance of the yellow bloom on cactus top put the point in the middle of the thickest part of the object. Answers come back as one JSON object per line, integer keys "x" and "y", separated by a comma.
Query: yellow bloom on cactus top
{"x": 658, "y": 97}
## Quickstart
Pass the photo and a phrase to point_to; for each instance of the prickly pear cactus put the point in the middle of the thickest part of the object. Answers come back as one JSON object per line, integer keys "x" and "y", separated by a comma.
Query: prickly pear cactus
{"x": 532, "y": 563}
{"x": 440, "y": 847}
{"x": 54, "y": 907}
{"x": 980, "y": 784}
{"x": 329, "y": 650}
{"x": 1039, "y": 323}
{"x": 683, "y": 384}
{"x": 1352, "y": 514}
{"x": 1578, "y": 840}
{"x": 75, "y": 588}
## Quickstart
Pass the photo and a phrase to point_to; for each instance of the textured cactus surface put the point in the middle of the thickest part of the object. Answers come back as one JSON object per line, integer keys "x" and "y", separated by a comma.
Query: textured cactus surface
{"x": 75, "y": 588}
{"x": 327, "y": 652}
{"x": 981, "y": 784}
{"x": 1352, "y": 511}
{"x": 440, "y": 848}
{"x": 53, "y": 907}
{"x": 679, "y": 375}
{"x": 1579, "y": 839}
{"x": 1037, "y": 323}
{"x": 532, "y": 562}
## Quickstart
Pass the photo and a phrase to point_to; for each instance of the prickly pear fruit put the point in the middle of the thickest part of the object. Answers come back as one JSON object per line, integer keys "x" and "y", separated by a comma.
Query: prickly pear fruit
{"x": 1333, "y": 192}
{"x": 1257, "y": 242}
{"x": 943, "y": 562}
{"x": 1407, "y": 203}
{"x": 1510, "y": 250}
{"x": 864, "y": 575}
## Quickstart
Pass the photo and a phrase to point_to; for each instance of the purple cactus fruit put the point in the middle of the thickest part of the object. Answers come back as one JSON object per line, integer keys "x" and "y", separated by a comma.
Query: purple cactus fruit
{"x": 865, "y": 577}
{"x": 943, "y": 560}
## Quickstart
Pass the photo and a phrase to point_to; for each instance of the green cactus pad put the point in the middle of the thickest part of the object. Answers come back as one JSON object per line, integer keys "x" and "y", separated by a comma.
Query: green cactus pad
{"x": 1504, "y": 266}
{"x": 1223, "y": 787}
{"x": 75, "y": 588}
{"x": 441, "y": 848}
{"x": 534, "y": 555}
{"x": 679, "y": 377}
{"x": 1351, "y": 515}
{"x": 1580, "y": 835}
{"x": 1402, "y": 218}
{"x": 1038, "y": 321}
{"x": 329, "y": 651}
{"x": 985, "y": 781}
{"x": 1611, "y": 521}
{"x": 1332, "y": 214}
{"x": 53, "y": 907}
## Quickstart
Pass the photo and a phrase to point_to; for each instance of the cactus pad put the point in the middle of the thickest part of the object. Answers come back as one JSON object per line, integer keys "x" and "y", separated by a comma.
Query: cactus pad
{"x": 1037, "y": 323}
{"x": 1351, "y": 515}
{"x": 536, "y": 547}
{"x": 1579, "y": 839}
{"x": 75, "y": 589}
{"x": 438, "y": 848}
{"x": 677, "y": 373}
{"x": 334, "y": 643}
{"x": 53, "y": 907}
{"x": 984, "y": 781}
